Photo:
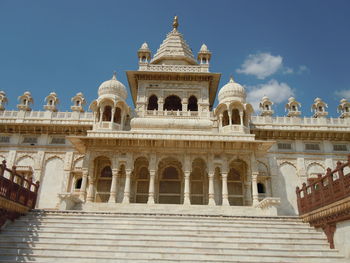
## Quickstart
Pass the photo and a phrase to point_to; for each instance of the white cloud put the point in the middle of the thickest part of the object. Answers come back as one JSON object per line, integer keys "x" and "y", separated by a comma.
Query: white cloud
{"x": 343, "y": 93}
{"x": 276, "y": 91}
{"x": 302, "y": 69}
{"x": 288, "y": 70}
{"x": 261, "y": 65}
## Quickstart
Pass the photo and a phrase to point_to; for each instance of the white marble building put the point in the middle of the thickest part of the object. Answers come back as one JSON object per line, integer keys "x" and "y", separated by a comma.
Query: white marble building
{"x": 175, "y": 147}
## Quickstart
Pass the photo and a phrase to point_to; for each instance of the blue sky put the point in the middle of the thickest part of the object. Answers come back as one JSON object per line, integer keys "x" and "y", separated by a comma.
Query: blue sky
{"x": 281, "y": 48}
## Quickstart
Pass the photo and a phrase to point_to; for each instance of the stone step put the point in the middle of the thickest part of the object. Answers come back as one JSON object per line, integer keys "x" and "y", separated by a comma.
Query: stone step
{"x": 164, "y": 223}
{"x": 183, "y": 253}
{"x": 151, "y": 231}
{"x": 159, "y": 227}
{"x": 316, "y": 241}
{"x": 181, "y": 218}
{"x": 67, "y": 243}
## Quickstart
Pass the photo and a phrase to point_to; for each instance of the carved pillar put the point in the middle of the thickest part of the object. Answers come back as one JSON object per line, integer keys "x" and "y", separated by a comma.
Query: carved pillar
{"x": 187, "y": 200}
{"x": 211, "y": 188}
{"x": 113, "y": 113}
{"x": 225, "y": 201}
{"x": 113, "y": 191}
{"x": 255, "y": 188}
{"x": 90, "y": 193}
{"x": 230, "y": 117}
{"x": 241, "y": 117}
{"x": 82, "y": 192}
{"x": 101, "y": 115}
{"x": 126, "y": 198}
{"x": 220, "y": 120}
{"x": 152, "y": 175}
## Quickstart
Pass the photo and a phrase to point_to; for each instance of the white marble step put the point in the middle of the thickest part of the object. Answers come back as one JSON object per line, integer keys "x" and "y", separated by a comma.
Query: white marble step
{"x": 69, "y": 221}
{"x": 44, "y": 237}
{"x": 67, "y": 243}
{"x": 107, "y": 237}
{"x": 239, "y": 255}
{"x": 159, "y": 227}
{"x": 112, "y": 232}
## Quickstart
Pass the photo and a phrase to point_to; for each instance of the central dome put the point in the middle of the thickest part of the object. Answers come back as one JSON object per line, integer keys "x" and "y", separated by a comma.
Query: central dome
{"x": 112, "y": 87}
{"x": 232, "y": 91}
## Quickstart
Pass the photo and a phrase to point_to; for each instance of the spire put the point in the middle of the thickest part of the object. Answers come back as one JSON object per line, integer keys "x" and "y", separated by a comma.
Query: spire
{"x": 175, "y": 23}
{"x": 174, "y": 48}
{"x": 114, "y": 75}
{"x": 231, "y": 78}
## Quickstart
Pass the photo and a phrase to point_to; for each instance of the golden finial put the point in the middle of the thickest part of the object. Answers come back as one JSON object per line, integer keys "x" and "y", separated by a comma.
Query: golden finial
{"x": 175, "y": 23}
{"x": 231, "y": 78}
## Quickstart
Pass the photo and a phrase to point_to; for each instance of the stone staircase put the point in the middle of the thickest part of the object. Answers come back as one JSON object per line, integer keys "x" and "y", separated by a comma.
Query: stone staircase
{"x": 61, "y": 236}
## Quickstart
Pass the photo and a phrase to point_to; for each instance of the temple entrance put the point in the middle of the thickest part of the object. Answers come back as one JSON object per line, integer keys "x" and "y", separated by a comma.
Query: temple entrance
{"x": 170, "y": 186}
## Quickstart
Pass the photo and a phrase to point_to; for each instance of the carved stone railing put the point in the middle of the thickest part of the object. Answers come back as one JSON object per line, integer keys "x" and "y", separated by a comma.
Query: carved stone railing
{"x": 326, "y": 201}
{"x": 17, "y": 194}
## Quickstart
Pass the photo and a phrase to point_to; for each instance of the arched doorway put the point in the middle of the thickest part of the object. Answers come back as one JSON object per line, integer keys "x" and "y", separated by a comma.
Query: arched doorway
{"x": 235, "y": 183}
{"x": 103, "y": 174}
{"x": 141, "y": 180}
{"x": 170, "y": 185}
{"x": 198, "y": 183}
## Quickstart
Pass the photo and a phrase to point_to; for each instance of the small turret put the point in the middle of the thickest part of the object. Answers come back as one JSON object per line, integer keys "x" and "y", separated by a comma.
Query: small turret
{"x": 25, "y": 101}
{"x": 78, "y": 102}
{"x": 3, "y": 100}
{"x": 265, "y": 107}
{"x": 344, "y": 108}
{"x": 204, "y": 55}
{"x": 144, "y": 54}
{"x": 319, "y": 108}
{"x": 51, "y": 102}
{"x": 293, "y": 107}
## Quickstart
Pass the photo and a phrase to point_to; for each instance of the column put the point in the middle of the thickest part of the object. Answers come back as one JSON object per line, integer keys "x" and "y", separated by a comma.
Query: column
{"x": 90, "y": 193}
{"x": 225, "y": 201}
{"x": 101, "y": 115}
{"x": 152, "y": 175}
{"x": 255, "y": 188}
{"x": 241, "y": 118}
{"x": 126, "y": 198}
{"x": 211, "y": 189}
{"x": 230, "y": 116}
{"x": 82, "y": 192}
{"x": 113, "y": 191}
{"x": 187, "y": 200}
{"x": 220, "y": 121}
{"x": 112, "y": 116}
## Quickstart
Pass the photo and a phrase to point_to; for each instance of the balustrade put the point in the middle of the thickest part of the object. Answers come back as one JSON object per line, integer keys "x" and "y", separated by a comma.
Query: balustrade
{"x": 324, "y": 190}
{"x": 16, "y": 188}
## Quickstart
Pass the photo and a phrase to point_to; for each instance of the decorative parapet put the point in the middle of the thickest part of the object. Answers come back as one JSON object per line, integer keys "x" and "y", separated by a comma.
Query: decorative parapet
{"x": 175, "y": 68}
{"x": 45, "y": 117}
{"x": 306, "y": 123}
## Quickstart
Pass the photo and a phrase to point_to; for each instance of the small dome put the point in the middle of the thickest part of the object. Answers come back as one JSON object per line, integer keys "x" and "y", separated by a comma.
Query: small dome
{"x": 27, "y": 93}
{"x": 291, "y": 99}
{"x": 343, "y": 100}
{"x": 112, "y": 87}
{"x": 232, "y": 91}
{"x": 265, "y": 98}
{"x": 317, "y": 100}
{"x": 144, "y": 46}
{"x": 204, "y": 48}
